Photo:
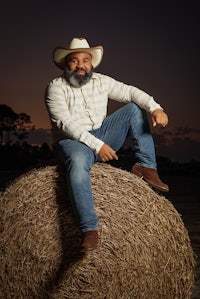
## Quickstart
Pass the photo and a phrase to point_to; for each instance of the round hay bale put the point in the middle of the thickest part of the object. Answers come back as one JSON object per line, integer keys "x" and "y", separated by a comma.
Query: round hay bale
{"x": 144, "y": 249}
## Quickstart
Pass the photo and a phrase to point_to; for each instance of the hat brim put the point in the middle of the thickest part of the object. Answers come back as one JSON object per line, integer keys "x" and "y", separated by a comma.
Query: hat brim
{"x": 60, "y": 53}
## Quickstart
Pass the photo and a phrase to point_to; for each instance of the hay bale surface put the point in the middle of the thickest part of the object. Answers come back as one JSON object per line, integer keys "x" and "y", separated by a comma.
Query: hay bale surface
{"x": 144, "y": 251}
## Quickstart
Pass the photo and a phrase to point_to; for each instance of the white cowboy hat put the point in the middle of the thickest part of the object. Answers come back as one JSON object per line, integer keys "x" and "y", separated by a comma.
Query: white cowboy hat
{"x": 77, "y": 45}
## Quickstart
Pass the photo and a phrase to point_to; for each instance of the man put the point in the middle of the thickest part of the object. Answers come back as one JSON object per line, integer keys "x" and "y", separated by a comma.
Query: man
{"x": 83, "y": 134}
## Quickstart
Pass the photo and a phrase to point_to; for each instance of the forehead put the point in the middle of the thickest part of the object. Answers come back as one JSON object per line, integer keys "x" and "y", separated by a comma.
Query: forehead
{"x": 80, "y": 55}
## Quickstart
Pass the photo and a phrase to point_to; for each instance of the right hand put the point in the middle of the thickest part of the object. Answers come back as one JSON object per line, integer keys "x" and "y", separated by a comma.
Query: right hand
{"x": 106, "y": 153}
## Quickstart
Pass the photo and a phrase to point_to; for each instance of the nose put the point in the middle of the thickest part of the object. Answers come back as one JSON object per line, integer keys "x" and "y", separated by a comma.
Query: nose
{"x": 80, "y": 63}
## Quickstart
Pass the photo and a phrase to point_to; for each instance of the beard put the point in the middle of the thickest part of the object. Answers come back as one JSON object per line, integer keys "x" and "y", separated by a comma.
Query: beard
{"x": 78, "y": 80}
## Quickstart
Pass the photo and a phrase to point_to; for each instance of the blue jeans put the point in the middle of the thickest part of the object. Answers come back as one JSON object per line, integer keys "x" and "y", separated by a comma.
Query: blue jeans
{"x": 78, "y": 158}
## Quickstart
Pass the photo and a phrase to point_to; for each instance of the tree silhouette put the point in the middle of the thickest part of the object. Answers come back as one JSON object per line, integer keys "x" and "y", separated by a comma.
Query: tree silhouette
{"x": 23, "y": 126}
{"x": 14, "y": 124}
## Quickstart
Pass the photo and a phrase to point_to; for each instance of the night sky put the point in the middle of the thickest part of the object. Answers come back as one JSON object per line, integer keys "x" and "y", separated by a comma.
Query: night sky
{"x": 153, "y": 45}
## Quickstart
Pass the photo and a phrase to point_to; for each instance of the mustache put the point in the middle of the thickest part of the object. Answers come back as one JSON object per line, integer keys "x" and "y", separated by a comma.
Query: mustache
{"x": 80, "y": 69}
{"x": 77, "y": 80}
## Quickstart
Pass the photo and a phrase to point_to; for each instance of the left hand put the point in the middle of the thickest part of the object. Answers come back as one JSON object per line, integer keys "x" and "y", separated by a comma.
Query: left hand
{"x": 106, "y": 153}
{"x": 159, "y": 117}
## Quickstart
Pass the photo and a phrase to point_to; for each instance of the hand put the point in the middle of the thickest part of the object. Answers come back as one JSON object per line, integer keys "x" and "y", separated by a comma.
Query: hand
{"x": 106, "y": 153}
{"x": 159, "y": 117}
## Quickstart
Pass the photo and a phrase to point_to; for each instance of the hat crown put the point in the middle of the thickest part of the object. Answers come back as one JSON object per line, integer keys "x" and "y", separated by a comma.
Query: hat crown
{"x": 78, "y": 43}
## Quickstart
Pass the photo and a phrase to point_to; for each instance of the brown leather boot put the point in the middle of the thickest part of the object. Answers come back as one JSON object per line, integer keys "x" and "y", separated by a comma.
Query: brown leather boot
{"x": 89, "y": 240}
{"x": 150, "y": 175}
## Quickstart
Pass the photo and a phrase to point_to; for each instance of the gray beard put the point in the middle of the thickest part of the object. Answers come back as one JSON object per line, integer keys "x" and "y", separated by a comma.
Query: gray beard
{"x": 77, "y": 80}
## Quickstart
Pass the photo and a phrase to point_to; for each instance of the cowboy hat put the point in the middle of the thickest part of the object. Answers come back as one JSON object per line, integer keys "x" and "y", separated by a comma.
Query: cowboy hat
{"x": 77, "y": 45}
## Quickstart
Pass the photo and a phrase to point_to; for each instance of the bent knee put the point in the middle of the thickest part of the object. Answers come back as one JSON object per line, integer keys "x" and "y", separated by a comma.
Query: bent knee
{"x": 134, "y": 110}
{"x": 79, "y": 161}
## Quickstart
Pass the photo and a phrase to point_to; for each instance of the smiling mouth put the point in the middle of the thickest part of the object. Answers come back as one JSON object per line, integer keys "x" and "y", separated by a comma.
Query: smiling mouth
{"x": 80, "y": 72}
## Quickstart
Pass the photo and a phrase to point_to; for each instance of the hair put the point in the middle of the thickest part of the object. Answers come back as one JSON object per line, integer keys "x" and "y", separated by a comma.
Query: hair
{"x": 77, "y": 80}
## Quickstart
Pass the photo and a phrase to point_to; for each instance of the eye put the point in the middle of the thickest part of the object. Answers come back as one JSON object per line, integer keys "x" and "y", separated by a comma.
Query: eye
{"x": 74, "y": 60}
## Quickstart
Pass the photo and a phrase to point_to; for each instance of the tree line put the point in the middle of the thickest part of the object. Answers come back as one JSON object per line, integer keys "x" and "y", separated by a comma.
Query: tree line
{"x": 17, "y": 154}
{"x": 13, "y": 125}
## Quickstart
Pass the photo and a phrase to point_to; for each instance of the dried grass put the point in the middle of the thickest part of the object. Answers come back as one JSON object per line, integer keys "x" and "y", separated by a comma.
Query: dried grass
{"x": 144, "y": 251}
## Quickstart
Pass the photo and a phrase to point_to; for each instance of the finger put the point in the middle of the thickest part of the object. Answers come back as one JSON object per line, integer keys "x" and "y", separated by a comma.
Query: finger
{"x": 153, "y": 121}
{"x": 115, "y": 156}
{"x": 162, "y": 125}
{"x": 103, "y": 159}
{"x": 108, "y": 157}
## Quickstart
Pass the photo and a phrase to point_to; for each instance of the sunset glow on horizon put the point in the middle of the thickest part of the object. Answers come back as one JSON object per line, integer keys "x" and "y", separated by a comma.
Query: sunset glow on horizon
{"x": 155, "y": 48}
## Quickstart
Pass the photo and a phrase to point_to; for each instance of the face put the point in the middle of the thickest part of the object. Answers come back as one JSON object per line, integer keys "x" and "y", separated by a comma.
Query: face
{"x": 79, "y": 62}
{"x": 78, "y": 69}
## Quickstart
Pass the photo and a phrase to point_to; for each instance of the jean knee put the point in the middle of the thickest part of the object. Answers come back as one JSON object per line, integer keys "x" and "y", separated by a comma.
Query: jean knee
{"x": 138, "y": 113}
{"x": 78, "y": 160}
{"x": 134, "y": 109}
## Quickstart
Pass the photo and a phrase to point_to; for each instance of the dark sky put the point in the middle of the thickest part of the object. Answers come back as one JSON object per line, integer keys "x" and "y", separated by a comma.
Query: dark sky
{"x": 153, "y": 45}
